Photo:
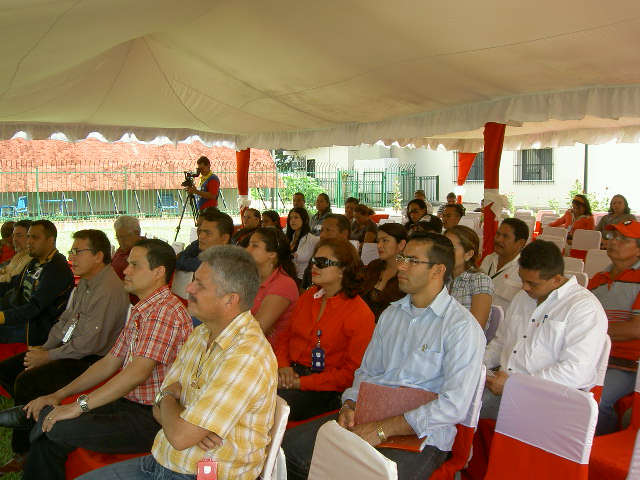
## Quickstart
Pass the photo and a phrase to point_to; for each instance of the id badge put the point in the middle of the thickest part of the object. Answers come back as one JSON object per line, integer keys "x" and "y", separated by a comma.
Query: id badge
{"x": 317, "y": 359}
{"x": 69, "y": 332}
{"x": 207, "y": 470}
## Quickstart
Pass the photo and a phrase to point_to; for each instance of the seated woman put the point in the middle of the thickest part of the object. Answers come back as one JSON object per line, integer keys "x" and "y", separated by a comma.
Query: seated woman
{"x": 380, "y": 284}
{"x": 469, "y": 286}
{"x": 251, "y": 220}
{"x": 578, "y": 217}
{"x": 619, "y": 211}
{"x": 328, "y": 332}
{"x": 278, "y": 290}
{"x": 365, "y": 229}
{"x": 301, "y": 241}
{"x": 417, "y": 213}
{"x": 323, "y": 208}
{"x": 270, "y": 218}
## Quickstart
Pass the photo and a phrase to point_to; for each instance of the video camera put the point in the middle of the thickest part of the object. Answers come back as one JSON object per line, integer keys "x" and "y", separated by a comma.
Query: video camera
{"x": 188, "y": 178}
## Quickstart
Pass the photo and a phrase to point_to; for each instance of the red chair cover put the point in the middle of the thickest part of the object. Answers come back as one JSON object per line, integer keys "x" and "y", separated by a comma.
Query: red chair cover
{"x": 459, "y": 454}
{"x": 611, "y": 455}
{"x": 581, "y": 254}
{"x": 82, "y": 461}
{"x": 379, "y": 216}
{"x": 477, "y": 468}
{"x": 9, "y": 350}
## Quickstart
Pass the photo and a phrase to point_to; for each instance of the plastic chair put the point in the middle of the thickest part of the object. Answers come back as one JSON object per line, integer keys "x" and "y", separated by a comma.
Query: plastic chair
{"x": 559, "y": 241}
{"x": 180, "y": 281}
{"x": 271, "y": 464}
{"x": 597, "y": 260}
{"x": 495, "y": 317}
{"x": 369, "y": 253}
{"x": 603, "y": 362}
{"x": 461, "y": 450}
{"x": 573, "y": 264}
{"x": 583, "y": 241}
{"x": 544, "y": 430}
{"x": 342, "y": 455}
{"x": 581, "y": 277}
{"x": 556, "y": 232}
{"x": 166, "y": 202}
{"x": 612, "y": 454}
{"x": 18, "y": 209}
{"x": 523, "y": 214}
{"x": 471, "y": 222}
{"x": 178, "y": 247}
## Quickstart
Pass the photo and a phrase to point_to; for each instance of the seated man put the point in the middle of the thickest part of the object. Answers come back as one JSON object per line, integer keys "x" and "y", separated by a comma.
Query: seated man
{"x": 502, "y": 265}
{"x": 32, "y": 301}
{"x": 426, "y": 340}
{"x": 21, "y": 258}
{"x": 214, "y": 228}
{"x": 6, "y": 242}
{"x": 451, "y": 215}
{"x": 451, "y": 200}
{"x": 226, "y": 400}
{"x": 128, "y": 234}
{"x": 333, "y": 226}
{"x": 554, "y": 329}
{"x": 117, "y": 417}
{"x": 86, "y": 331}
{"x": 618, "y": 289}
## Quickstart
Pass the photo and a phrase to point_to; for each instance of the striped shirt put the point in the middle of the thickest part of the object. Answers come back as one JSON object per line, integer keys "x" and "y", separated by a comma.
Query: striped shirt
{"x": 157, "y": 328}
{"x": 620, "y": 298}
{"x": 228, "y": 389}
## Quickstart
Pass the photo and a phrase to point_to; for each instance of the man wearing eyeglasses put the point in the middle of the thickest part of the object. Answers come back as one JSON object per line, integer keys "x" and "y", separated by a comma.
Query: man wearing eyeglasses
{"x": 427, "y": 341}
{"x": 86, "y": 331}
{"x": 32, "y": 302}
{"x": 618, "y": 289}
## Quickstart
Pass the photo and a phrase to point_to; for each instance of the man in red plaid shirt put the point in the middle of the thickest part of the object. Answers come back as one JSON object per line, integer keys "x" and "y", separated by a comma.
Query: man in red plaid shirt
{"x": 117, "y": 417}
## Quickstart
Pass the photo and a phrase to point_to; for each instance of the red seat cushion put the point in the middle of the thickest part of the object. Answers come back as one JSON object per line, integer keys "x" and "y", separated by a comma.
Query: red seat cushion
{"x": 81, "y": 461}
{"x": 8, "y": 350}
{"x": 611, "y": 455}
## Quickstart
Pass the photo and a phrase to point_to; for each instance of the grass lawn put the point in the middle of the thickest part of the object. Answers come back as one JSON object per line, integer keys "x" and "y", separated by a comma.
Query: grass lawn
{"x": 5, "y": 442}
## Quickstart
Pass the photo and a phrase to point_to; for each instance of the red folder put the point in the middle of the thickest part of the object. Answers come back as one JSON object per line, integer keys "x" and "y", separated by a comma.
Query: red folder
{"x": 377, "y": 402}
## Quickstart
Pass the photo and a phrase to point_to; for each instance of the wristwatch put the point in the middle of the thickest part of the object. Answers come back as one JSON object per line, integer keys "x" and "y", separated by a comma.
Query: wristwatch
{"x": 160, "y": 395}
{"x": 82, "y": 401}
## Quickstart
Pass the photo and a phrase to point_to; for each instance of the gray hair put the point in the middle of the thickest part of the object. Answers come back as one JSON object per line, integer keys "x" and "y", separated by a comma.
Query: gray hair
{"x": 131, "y": 224}
{"x": 234, "y": 271}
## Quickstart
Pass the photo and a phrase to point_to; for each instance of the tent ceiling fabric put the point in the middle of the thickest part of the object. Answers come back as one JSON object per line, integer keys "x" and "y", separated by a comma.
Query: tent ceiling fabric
{"x": 294, "y": 75}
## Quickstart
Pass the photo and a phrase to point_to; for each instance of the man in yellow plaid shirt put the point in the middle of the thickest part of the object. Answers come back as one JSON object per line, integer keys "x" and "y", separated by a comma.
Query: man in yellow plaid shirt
{"x": 218, "y": 399}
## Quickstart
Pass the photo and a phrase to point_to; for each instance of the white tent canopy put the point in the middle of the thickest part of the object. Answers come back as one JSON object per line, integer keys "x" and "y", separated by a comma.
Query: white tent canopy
{"x": 292, "y": 74}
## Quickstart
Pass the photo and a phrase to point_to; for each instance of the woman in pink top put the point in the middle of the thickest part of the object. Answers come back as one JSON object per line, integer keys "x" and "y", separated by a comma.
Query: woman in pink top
{"x": 578, "y": 217}
{"x": 278, "y": 290}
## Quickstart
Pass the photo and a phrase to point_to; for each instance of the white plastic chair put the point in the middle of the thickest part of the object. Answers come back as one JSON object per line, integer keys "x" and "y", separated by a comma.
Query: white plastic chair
{"x": 546, "y": 219}
{"x": 523, "y": 213}
{"x": 556, "y": 232}
{"x": 471, "y": 222}
{"x": 178, "y": 247}
{"x": 193, "y": 234}
{"x": 581, "y": 277}
{"x": 369, "y": 253}
{"x": 544, "y": 425}
{"x": 597, "y": 260}
{"x": 342, "y": 455}
{"x": 495, "y": 317}
{"x": 586, "y": 240}
{"x": 559, "y": 241}
{"x": 573, "y": 264}
{"x": 180, "y": 281}
{"x": 273, "y": 464}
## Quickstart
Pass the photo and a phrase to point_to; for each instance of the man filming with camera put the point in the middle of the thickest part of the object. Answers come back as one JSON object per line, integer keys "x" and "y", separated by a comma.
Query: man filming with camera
{"x": 209, "y": 185}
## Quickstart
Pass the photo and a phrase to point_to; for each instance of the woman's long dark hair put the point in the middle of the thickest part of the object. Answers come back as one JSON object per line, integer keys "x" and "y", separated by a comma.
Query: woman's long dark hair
{"x": 587, "y": 205}
{"x": 304, "y": 216}
{"x": 276, "y": 241}
{"x": 423, "y": 206}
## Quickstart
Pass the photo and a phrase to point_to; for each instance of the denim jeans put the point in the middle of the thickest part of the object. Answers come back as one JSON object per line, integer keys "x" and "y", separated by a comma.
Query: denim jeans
{"x": 143, "y": 468}
{"x": 617, "y": 384}
{"x": 298, "y": 446}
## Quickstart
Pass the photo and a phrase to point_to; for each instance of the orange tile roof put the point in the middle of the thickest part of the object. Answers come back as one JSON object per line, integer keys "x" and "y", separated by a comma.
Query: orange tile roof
{"x": 94, "y": 165}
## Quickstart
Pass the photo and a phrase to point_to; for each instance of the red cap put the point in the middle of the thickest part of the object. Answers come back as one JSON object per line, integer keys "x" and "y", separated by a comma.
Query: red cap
{"x": 628, "y": 228}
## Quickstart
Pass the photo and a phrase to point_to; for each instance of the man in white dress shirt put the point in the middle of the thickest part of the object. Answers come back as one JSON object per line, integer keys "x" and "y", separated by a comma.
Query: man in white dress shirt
{"x": 554, "y": 329}
{"x": 502, "y": 264}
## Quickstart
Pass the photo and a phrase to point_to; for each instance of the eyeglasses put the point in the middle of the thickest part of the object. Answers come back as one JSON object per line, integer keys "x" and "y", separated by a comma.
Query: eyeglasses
{"x": 324, "y": 262}
{"x": 412, "y": 261}
{"x": 76, "y": 251}
{"x": 610, "y": 235}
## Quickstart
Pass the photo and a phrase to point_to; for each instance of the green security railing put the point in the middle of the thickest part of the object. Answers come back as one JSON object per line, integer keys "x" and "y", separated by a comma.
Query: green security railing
{"x": 99, "y": 194}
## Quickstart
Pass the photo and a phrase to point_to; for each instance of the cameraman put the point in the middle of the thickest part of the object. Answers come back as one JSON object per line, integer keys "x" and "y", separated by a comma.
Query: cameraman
{"x": 209, "y": 185}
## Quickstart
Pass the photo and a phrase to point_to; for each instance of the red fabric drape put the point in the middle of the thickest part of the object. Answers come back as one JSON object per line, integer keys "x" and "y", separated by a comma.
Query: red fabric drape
{"x": 493, "y": 140}
{"x": 242, "y": 175}
{"x": 465, "y": 162}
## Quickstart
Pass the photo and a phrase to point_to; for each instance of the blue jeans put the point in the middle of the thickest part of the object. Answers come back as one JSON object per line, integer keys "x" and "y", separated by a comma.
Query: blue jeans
{"x": 617, "y": 384}
{"x": 142, "y": 468}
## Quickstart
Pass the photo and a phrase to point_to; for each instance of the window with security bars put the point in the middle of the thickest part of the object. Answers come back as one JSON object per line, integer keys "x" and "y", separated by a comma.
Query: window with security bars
{"x": 476, "y": 174}
{"x": 533, "y": 166}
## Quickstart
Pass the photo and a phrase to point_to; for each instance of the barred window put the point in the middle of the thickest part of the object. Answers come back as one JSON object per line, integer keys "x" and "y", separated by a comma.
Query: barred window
{"x": 476, "y": 174}
{"x": 533, "y": 166}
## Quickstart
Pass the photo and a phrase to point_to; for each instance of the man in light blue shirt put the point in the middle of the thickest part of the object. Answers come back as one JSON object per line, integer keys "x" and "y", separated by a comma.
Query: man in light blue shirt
{"x": 426, "y": 340}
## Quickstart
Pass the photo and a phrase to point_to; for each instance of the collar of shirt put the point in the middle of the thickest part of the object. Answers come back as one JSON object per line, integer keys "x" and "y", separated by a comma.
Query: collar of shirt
{"x": 95, "y": 280}
{"x": 438, "y": 306}
{"x": 204, "y": 178}
{"x": 158, "y": 296}
{"x": 607, "y": 271}
{"x": 563, "y": 291}
{"x": 507, "y": 265}
{"x": 225, "y": 338}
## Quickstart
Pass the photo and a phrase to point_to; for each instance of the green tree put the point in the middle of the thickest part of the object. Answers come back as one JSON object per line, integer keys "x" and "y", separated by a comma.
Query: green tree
{"x": 309, "y": 186}
{"x": 598, "y": 204}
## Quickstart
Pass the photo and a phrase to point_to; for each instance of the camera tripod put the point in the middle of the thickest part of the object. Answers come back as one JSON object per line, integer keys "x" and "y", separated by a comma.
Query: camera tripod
{"x": 191, "y": 200}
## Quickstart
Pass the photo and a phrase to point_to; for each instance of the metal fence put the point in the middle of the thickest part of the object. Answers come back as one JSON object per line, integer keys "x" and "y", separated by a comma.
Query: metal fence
{"x": 94, "y": 194}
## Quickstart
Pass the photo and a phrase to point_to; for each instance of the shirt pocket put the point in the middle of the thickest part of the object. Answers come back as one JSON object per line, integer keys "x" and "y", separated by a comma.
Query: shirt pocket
{"x": 422, "y": 364}
{"x": 550, "y": 336}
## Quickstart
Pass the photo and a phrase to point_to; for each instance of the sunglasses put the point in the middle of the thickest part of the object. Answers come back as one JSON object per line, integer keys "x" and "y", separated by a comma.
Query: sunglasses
{"x": 324, "y": 262}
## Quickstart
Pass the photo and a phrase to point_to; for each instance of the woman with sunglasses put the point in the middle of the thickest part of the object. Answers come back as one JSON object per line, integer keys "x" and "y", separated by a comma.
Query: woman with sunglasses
{"x": 469, "y": 286}
{"x": 380, "y": 284}
{"x": 323, "y": 208}
{"x": 578, "y": 217}
{"x": 301, "y": 240}
{"x": 252, "y": 220}
{"x": 278, "y": 290}
{"x": 328, "y": 332}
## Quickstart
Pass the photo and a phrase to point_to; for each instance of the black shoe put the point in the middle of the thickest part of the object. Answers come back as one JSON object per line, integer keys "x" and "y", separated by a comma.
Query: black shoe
{"x": 16, "y": 417}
